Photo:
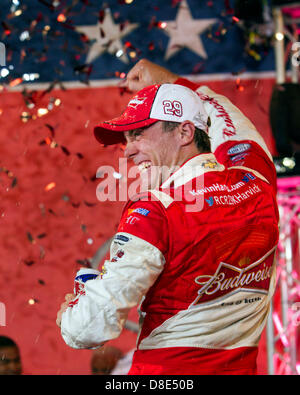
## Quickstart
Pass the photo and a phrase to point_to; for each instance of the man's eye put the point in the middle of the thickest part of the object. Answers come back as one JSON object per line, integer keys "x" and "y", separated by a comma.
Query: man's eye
{"x": 137, "y": 133}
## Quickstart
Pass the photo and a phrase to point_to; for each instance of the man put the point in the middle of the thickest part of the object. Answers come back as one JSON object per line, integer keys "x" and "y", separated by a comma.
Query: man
{"x": 198, "y": 248}
{"x": 10, "y": 361}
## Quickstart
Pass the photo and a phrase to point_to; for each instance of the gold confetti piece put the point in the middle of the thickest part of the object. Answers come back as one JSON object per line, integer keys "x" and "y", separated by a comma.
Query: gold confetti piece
{"x": 50, "y": 186}
{"x": 32, "y": 301}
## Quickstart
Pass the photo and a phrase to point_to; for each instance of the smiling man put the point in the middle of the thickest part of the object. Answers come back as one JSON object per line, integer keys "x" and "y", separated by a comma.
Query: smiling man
{"x": 196, "y": 247}
{"x": 182, "y": 116}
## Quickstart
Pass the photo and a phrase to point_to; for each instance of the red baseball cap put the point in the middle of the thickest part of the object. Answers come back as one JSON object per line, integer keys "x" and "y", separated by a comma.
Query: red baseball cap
{"x": 166, "y": 102}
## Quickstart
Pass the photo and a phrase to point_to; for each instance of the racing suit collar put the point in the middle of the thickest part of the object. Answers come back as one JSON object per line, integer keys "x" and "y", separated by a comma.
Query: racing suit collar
{"x": 193, "y": 167}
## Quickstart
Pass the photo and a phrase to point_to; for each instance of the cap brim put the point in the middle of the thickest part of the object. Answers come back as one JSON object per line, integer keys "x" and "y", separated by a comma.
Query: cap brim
{"x": 112, "y": 132}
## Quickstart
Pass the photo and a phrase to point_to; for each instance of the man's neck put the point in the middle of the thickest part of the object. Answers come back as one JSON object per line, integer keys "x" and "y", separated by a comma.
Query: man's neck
{"x": 186, "y": 154}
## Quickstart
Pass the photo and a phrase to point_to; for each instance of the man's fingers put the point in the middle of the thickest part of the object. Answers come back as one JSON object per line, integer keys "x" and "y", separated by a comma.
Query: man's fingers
{"x": 135, "y": 85}
{"x": 69, "y": 297}
{"x": 58, "y": 321}
{"x": 64, "y": 307}
{"x": 145, "y": 73}
{"x": 136, "y": 72}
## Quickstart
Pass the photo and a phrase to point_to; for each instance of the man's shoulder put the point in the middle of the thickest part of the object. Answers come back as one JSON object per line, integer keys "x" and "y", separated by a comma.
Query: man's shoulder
{"x": 151, "y": 197}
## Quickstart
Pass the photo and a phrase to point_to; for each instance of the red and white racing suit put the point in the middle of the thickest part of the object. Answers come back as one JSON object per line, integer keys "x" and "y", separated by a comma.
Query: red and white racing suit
{"x": 197, "y": 254}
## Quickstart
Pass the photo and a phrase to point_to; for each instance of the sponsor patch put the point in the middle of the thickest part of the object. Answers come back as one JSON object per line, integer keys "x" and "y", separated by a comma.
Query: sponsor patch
{"x": 229, "y": 279}
{"x": 248, "y": 177}
{"x": 122, "y": 238}
{"x": 209, "y": 164}
{"x": 237, "y": 149}
{"x": 139, "y": 210}
{"x": 238, "y": 157}
{"x": 136, "y": 102}
{"x": 210, "y": 201}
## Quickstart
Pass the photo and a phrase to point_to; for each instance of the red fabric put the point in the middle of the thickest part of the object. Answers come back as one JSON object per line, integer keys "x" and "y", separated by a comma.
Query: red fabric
{"x": 161, "y": 362}
{"x": 43, "y": 268}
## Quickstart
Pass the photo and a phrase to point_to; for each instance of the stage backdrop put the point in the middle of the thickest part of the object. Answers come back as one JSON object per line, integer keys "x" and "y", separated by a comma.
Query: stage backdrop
{"x": 50, "y": 219}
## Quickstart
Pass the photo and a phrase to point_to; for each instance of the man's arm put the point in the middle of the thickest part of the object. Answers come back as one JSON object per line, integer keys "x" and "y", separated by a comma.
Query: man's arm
{"x": 136, "y": 260}
{"x": 234, "y": 139}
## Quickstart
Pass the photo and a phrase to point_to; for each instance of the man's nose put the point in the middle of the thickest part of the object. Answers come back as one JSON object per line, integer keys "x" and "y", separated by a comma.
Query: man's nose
{"x": 130, "y": 150}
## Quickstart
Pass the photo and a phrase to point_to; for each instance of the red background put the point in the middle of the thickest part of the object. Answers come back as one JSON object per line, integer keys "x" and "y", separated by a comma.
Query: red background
{"x": 44, "y": 233}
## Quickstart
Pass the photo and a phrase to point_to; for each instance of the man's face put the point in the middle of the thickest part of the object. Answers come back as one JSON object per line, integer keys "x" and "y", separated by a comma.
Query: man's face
{"x": 10, "y": 362}
{"x": 154, "y": 151}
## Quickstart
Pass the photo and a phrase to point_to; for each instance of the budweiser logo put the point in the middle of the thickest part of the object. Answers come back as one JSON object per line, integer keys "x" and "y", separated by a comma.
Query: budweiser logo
{"x": 229, "y": 278}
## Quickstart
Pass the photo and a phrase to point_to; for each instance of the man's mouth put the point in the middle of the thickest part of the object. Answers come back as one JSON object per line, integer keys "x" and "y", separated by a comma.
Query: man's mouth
{"x": 143, "y": 166}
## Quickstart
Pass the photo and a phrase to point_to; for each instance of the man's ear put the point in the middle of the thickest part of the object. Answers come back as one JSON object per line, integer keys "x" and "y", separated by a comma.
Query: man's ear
{"x": 186, "y": 132}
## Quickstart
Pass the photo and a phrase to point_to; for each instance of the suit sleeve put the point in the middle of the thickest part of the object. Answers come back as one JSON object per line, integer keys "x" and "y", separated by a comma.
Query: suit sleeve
{"x": 137, "y": 257}
{"x": 234, "y": 139}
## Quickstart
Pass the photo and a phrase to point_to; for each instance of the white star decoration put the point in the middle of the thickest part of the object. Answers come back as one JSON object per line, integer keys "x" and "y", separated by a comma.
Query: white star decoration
{"x": 107, "y": 36}
{"x": 185, "y": 32}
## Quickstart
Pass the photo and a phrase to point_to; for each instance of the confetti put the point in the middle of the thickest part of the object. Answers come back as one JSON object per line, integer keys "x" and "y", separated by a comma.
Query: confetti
{"x": 25, "y": 116}
{"x": 50, "y": 186}
{"x": 42, "y": 111}
{"x": 51, "y": 128}
{"x": 29, "y": 262}
{"x": 89, "y": 204}
{"x": 42, "y": 252}
{"x": 41, "y": 235}
{"x": 15, "y": 82}
{"x": 30, "y": 238}
{"x": 32, "y": 301}
{"x": 61, "y": 18}
{"x": 65, "y": 150}
{"x": 44, "y": 120}
{"x": 66, "y": 198}
{"x": 14, "y": 182}
{"x": 79, "y": 155}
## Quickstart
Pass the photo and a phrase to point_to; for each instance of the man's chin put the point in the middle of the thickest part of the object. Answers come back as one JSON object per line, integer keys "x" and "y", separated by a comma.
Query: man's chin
{"x": 149, "y": 178}
{"x": 153, "y": 177}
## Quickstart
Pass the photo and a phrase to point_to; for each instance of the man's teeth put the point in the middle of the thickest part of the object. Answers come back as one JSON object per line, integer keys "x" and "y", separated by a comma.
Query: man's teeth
{"x": 144, "y": 165}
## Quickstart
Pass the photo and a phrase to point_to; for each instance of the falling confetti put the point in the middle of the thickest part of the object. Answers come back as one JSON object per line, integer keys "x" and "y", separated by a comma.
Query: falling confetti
{"x": 50, "y": 143}
{"x": 50, "y": 186}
